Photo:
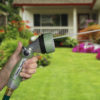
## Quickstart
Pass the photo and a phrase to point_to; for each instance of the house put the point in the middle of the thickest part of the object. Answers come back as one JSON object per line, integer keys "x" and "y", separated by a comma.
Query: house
{"x": 58, "y": 16}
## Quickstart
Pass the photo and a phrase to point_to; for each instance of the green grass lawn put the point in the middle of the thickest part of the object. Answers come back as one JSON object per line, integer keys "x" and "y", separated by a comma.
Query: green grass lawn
{"x": 71, "y": 76}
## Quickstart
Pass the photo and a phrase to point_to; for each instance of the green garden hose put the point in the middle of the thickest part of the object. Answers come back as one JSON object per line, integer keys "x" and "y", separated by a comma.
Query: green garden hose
{"x": 6, "y": 97}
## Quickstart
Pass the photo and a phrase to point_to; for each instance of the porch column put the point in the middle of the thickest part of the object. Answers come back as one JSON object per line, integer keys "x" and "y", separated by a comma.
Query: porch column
{"x": 22, "y": 13}
{"x": 75, "y": 21}
{"x": 99, "y": 17}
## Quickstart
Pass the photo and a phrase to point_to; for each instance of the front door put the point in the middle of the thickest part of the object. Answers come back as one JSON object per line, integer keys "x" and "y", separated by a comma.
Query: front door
{"x": 82, "y": 18}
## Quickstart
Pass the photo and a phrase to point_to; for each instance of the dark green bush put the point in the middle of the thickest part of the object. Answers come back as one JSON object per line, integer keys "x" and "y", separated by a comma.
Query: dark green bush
{"x": 66, "y": 42}
{"x": 70, "y": 42}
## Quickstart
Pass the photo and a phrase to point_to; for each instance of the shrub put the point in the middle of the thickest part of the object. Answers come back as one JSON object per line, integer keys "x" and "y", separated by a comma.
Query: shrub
{"x": 66, "y": 41}
{"x": 12, "y": 32}
{"x": 70, "y": 42}
{"x": 26, "y": 34}
{"x": 44, "y": 59}
{"x": 8, "y": 47}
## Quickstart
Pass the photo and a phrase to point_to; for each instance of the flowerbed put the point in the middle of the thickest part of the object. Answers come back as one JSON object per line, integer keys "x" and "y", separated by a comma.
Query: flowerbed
{"x": 88, "y": 48}
{"x": 93, "y": 36}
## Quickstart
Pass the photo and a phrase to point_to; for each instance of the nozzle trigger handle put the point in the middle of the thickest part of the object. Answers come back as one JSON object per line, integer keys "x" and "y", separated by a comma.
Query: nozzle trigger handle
{"x": 15, "y": 77}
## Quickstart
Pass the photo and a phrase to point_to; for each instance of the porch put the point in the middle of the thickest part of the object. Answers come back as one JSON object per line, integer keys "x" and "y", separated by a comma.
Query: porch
{"x": 69, "y": 20}
{"x": 56, "y": 31}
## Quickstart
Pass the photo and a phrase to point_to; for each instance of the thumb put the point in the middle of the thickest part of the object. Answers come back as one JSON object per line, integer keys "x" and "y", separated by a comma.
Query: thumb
{"x": 18, "y": 50}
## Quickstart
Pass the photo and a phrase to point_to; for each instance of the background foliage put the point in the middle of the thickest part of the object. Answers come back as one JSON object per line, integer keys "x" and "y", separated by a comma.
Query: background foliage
{"x": 66, "y": 42}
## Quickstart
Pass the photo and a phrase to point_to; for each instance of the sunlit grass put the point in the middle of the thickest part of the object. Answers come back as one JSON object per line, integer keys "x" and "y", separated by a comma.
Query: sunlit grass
{"x": 71, "y": 76}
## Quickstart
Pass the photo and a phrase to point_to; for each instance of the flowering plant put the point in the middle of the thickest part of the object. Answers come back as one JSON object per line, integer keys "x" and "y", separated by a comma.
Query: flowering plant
{"x": 98, "y": 56}
{"x": 89, "y": 48}
{"x": 86, "y": 48}
{"x": 90, "y": 22}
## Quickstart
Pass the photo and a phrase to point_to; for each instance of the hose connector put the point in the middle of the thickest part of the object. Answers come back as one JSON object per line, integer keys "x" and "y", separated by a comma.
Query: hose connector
{"x": 8, "y": 94}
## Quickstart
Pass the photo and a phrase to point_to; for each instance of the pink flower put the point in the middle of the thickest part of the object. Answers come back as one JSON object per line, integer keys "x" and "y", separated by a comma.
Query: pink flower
{"x": 98, "y": 56}
{"x": 79, "y": 49}
{"x": 81, "y": 45}
{"x": 75, "y": 49}
{"x": 97, "y": 50}
{"x": 90, "y": 50}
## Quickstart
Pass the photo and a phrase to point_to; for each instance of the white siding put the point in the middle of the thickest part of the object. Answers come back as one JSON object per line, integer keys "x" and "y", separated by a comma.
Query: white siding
{"x": 27, "y": 15}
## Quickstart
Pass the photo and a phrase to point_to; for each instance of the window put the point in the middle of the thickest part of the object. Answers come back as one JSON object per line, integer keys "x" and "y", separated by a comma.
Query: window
{"x": 2, "y": 20}
{"x": 51, "y": 20}
{"x": 64, "y": 20}
{"x": 95, "y": 17}
{"x": 82, "y": 21}
{"x": 36, "y": 20}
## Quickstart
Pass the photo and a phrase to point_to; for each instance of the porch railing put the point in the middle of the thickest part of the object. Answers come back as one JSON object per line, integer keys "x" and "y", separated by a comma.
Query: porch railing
{"x": 56, "y": 31}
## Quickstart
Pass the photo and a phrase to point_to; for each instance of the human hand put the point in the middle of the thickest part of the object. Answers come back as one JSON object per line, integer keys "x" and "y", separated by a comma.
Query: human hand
{"x": 29, "y": 66}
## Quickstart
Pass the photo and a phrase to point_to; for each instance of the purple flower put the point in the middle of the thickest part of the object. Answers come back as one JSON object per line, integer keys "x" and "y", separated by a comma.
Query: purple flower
{"x": 98, "y": 50}
{"x": 90, "y": 50}
{"x": 94, "y": 51}
{"x": 98, "y": 56}
{"x": 79, "y": 48}
{"x": 75, "y": 49}
{"x": 81, "y": 45}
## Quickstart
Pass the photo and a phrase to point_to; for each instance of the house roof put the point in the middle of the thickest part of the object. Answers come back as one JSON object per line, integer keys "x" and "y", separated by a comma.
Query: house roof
{"x": 52, "y": 2}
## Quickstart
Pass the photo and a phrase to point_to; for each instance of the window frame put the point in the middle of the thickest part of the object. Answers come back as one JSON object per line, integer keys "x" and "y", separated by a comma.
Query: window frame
{"x": 52, "y": 25}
